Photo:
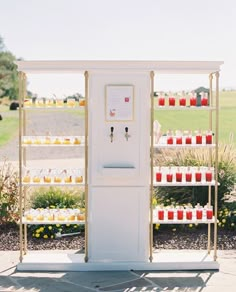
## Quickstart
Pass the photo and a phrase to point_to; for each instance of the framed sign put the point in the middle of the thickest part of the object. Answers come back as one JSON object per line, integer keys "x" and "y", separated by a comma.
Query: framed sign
{"x": 119, "y": 105}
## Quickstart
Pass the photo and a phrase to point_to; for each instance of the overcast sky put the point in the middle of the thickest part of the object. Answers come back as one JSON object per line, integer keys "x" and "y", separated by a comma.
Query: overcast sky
{"x": 122, "y": 29}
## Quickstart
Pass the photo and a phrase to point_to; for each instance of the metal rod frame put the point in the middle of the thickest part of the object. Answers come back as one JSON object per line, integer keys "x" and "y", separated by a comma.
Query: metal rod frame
{"x": 210, "y": 159}
{"x": 21, "y": 98}
{"x": 151, "y": 170}
{"x": 216, "y": 162}
{"x": 86, "y": 75}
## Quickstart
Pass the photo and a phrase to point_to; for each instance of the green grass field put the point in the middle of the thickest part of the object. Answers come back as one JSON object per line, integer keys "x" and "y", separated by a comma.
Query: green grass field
{"x": 199, "y": 120}
{"x": 8, "y": 128}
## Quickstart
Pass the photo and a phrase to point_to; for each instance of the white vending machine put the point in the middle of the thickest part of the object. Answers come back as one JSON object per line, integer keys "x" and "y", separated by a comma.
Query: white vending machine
{"x": 119, "y": 166}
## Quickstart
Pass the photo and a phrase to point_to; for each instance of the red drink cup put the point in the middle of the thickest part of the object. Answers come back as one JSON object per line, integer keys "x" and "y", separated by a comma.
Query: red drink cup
{"x": 199, "y": 139}
{"x": 209, "y": 213}
{"x": 161, "y": 101}
{"x": 171, "y": 101}
{"x": 204, "y": 101}
{"x": 180, "y": 214}
{"x": 170, "y": 140}
{"x": 189, "y": 214}
{"x": 209, "y": 139}
{"x": 198, "y": 176}
{"x": 158, "y": 176}
{"x": 169, "y": 177}
{"x": 160, "y": 214}
{"x": 193, "y": 101}
{"x": 188, "y": 140}
{"x": 182, "y": 101}
{"x": 170, "y": 214}
{"x": 188, "y": 177}
{"x": 199, "y": 214}
{"x": 208, "y": 176}
{"x": 178, "y": 176}
{"x": 179, "y": 140}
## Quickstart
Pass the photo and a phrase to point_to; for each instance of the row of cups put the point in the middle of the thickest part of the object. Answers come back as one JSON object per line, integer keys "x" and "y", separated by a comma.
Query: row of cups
{"x": 53, "y": 176}
{"x": 182, "y": 101}
{"x": 183, "y": 174}
{"x": 52, "y": 102}
{"x": 54, "y": 214}
{"x": 181, "y": 213}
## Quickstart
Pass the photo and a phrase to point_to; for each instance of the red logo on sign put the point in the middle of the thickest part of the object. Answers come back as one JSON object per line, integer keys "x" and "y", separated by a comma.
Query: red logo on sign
{"x": 126, "y": 99}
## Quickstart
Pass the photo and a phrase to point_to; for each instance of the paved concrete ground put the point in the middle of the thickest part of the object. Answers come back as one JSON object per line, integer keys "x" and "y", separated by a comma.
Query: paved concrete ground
{"x": 127, "y": 281}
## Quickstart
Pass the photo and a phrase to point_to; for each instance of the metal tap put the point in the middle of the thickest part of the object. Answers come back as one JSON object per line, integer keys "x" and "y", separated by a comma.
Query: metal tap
{"x": 126, "y": 133}
{"x": 111, "y": 135}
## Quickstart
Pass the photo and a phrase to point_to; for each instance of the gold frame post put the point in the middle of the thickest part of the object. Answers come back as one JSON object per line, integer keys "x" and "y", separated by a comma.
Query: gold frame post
{"x": 24, "y": 159}
{"x": 216, "y": 163}
{"x": 151, "y": 169}
{"x": 21, "y": 95}
{"x": 86, "y": 75}
{"x": 210, "y": 159}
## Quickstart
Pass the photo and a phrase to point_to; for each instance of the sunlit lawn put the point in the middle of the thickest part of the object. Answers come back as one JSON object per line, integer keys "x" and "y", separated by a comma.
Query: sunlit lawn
{"x": 8, "y": 125}
{"x": 199, "y": 120}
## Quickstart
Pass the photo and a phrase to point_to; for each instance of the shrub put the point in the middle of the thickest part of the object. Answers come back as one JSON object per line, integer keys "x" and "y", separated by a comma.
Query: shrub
{"x": 8, "y": 193}
{"x": 198, "y": 194}
{"x": 56, "y": 198}
{"x": 227, "y": 216}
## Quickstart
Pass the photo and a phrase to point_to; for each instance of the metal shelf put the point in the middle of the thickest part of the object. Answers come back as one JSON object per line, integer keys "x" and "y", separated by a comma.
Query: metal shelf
{"x": 51, "y": 222}
{"x": 161, "y": 146}
{"x": 76, "y": 107}
{"x": 183, "y": 184}
{"x": 51, "y": 184}
{"x": 184, "y": 221}
{"x": 206, "y": 108}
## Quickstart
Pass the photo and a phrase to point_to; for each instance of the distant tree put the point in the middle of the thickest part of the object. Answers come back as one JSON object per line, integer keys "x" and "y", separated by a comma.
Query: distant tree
{"x": 76, "y": 96}
{"x": 8, "y": 73}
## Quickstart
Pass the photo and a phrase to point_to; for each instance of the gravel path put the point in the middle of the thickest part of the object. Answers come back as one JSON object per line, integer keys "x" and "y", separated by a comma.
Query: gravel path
{"x": 56, "y": 123}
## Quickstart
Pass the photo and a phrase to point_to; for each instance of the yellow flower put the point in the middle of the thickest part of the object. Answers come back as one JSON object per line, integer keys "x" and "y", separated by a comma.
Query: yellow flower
{"x": 52, "y": 207}
{"x": 219, "y": 223}
{"x": 174, "y": 229}
{"x": 58, "y": 225}
{"x": 45, "y": 236}
{"x": 52, "y": 236}
{"x": 41, "y": 229}
{"x": 37, "y": 235}
{"x": 157, "y": 226}
{"x": 38, "y": 230}
{"x": 190, "y": 225}
{"x": 75, "y": 226}
{"x": 232, "y": 224}
{"x": 223, "y": 220}
{"x": 67, "y": 225}
{"x": 49, "y": 227}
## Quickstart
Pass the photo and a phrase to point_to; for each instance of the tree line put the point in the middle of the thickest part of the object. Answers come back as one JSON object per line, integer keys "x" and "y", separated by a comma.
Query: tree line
{"x": 8, "y": 73}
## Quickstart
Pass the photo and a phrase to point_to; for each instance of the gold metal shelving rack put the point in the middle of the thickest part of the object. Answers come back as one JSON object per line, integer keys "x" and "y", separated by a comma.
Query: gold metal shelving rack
{"x": 22, "y": 163}
{"x": 213, "y": 106}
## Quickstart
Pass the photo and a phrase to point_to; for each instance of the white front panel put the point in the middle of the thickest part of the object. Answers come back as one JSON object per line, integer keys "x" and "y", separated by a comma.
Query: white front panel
{"x": 119, "y": 162}
{"x": 118, "y": 224}
{"x": 119, "y": 168}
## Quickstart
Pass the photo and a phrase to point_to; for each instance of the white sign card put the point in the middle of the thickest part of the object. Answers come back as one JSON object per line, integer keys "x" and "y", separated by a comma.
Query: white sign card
{"x": 119, "y": 103}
